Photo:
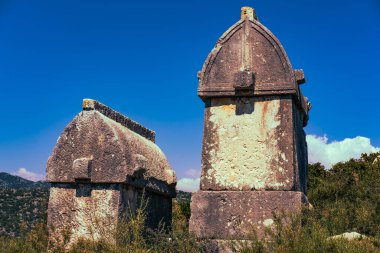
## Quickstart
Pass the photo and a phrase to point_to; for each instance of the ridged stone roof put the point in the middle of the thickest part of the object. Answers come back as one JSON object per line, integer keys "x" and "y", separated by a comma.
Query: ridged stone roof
{"x": 101, "y": 145}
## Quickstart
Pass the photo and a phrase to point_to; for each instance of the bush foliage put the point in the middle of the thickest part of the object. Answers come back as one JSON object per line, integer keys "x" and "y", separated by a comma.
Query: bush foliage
{"x": 347, "y": 197}
{"x": 344, "y": 199}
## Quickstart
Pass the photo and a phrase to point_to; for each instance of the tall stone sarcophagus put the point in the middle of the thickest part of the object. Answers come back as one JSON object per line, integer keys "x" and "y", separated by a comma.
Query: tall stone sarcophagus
{"x": 254, "y": 155}
{"x": 98, "y": 171}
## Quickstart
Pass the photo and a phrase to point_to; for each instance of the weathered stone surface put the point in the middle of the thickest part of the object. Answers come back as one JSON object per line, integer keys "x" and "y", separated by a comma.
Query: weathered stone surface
{"x": 300, "y": 150}
{"x": 93, "y": 211}
{"x": 85, "y": 211}
{"x": 82, "y": 168}
{"x": 249, "y": 55}
{"x": 236, "y": 214}
{"x": 116, "y": 153}
{"x": 249, "y": 144}
{"x": 255, "y": 113}
{"x": 300, "y": 76}
{"x": 90, "y": 104}
{"x": 102, "y": 166}
{"x": 254, "y": 154}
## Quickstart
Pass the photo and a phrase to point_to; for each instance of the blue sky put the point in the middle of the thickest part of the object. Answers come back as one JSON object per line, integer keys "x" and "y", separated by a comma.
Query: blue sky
{"x": 141, "y": 58}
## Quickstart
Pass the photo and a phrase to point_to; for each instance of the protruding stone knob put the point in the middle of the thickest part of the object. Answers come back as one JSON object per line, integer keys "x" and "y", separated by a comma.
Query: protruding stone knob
{"x": 248, "y": 12}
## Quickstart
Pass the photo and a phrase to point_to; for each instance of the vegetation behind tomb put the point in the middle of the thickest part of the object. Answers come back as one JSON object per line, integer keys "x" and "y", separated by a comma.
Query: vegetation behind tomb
{"x": 345, "y": 199}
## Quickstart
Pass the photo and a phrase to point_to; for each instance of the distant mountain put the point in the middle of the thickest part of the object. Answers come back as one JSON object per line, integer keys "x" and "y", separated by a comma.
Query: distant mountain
{"x": 21, "y": 201}
{"x": 16, "y": 182}
{"x": 10, "y": 181}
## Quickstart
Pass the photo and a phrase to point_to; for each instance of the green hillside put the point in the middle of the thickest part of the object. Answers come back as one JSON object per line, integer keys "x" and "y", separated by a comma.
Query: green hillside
{"x": 21, "y": 202}
{"x": 10, "y": 181}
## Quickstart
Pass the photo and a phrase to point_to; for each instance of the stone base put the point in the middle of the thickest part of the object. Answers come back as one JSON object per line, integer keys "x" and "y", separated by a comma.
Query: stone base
{"x": 223, "y": 246}
{"x": 92, "y": 211}
{"x": 237, "y": 214}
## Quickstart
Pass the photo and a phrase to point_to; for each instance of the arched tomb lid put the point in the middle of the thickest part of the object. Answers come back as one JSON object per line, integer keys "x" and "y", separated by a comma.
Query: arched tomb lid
{"x": 103, "y": 146}
{"x": 248, "y": 60}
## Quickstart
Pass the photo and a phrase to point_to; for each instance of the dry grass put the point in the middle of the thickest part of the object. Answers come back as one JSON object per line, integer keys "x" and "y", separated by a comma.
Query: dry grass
{"x": 290, "y": 234}
{"x": 345, "y": 199}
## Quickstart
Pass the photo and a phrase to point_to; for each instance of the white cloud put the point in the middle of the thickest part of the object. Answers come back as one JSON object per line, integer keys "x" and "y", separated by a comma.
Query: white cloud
{"x": 24, "y": 173}
{"x": 188, "y": 184}
{"x": 191, "y": 182}
{"x": 193, "y": 173}
{"x": 331, "y": 153}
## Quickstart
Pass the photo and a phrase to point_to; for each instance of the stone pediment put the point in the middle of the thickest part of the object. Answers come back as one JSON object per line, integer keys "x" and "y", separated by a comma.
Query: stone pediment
{"x": 248, "y": 60}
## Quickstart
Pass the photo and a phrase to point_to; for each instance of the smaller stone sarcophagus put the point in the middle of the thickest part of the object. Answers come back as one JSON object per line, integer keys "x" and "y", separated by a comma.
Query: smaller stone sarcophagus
{"x": 99, "y": 169}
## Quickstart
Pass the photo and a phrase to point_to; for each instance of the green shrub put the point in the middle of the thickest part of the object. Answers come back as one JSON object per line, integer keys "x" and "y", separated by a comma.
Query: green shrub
{"x": 345, "y": 198}
{"x": 303, "y": 234}
{"x": 35, "y": 241}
